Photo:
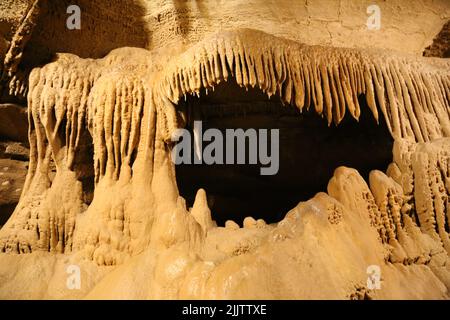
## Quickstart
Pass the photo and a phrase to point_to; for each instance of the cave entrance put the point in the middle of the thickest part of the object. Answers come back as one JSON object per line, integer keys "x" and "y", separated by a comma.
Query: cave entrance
{"x": 309, "y": 152}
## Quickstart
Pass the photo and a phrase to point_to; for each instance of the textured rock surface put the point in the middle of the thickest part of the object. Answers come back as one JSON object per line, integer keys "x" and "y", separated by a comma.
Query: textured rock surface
{"x": 13, "y": 122}
{"x": 12, "y": 179}
{"x": 12, "y": 13}
{"x": 441, "y": 44}
{"x": 101, "y": 190}
{"x": 406, "y": 26}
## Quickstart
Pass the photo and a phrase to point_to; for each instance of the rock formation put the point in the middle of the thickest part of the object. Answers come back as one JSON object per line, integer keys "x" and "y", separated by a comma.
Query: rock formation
{"x": 102, "y": 192}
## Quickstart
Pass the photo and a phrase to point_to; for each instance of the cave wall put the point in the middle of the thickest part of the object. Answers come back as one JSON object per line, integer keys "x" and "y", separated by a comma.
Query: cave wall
{"x": 441, "y": 44}
{"x": 406, "y": 26}
{"x": 401, "y": 222}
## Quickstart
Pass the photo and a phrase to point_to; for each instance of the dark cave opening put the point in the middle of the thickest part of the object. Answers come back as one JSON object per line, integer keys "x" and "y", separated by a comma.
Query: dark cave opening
{"x": 309, "y": 152}
{"x": 82, "y": 162}
{"x": 84, "y": 167}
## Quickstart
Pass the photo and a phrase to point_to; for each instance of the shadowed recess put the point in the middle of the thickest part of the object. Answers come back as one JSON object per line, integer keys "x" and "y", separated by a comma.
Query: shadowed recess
{"x": 309, "y": 152}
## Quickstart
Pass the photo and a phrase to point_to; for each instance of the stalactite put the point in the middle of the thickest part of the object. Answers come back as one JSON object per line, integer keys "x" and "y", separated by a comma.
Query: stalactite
{"x": 10, "y": 76}
{"x": 336, "y": 77}
{"x": 127, "y": 104}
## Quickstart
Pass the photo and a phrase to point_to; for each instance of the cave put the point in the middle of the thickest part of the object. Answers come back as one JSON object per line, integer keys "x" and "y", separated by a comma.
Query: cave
{"x": 309, "y": 152}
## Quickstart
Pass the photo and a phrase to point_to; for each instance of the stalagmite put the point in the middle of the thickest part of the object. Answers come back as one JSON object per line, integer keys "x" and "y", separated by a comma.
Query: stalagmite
{"x": 201, "y": 212}
{"x": 126, "y": 108}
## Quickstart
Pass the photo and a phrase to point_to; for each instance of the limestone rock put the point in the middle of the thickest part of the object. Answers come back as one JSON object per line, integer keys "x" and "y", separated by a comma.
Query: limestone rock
{"x": 13, "y": 122}
{"x": 12, "y": 179}
{"x": 98, "y": 187}
{"x": 14, "y": 150}
{"x": 441, "y": 44}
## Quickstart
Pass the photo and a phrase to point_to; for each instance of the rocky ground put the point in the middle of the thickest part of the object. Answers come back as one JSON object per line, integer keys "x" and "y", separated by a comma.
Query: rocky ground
{"x": 14, "y": 156}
